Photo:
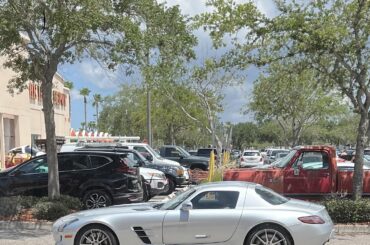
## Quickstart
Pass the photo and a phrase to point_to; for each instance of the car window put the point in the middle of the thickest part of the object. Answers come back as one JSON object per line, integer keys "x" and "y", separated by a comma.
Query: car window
{"x": 98, "y": 161}
{"x": 216, "y": 200}
{"x": 251, "y": 154}
{"x": 127, "y": 160}
{"x": 313, "y": 160}
{"x": 141, "y": 149}
{"x": 270, "y": 196}
{"x": 73, "y": 162}
{"x": 36, "y": 166}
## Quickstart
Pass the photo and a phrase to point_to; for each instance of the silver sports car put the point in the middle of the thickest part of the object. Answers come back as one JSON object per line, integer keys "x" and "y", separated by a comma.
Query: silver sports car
{"x": 232, "y": 213}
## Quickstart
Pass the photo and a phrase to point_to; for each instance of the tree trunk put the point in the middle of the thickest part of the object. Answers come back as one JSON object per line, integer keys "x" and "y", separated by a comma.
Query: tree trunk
{"x": 359, "y": 158}
{"x": 85, "y": 102}
{"x": 51, "y": 146}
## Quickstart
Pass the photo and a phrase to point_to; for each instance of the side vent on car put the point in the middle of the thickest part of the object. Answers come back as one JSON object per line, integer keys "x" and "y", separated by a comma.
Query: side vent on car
{"x": 141, "y": 234}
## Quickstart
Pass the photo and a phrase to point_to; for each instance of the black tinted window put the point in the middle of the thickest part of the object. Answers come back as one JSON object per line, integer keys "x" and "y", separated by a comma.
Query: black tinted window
{"x": 36, "y": 166}
{"x": 270, "y": 196}
{"x": 73, "y": 162}
{"x": 98, "y": 161}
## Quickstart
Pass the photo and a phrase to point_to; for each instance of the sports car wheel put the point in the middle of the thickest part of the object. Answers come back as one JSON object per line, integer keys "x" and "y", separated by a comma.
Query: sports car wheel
{"x": 96, "y": 199}
{"x": 269, "y": 235}
{"x": 95, "y": 235}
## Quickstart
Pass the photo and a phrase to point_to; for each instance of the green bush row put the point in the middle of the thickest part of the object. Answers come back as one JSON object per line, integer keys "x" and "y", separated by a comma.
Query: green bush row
{"x": 342, "y": 210}
{"x": 42, "y": 208}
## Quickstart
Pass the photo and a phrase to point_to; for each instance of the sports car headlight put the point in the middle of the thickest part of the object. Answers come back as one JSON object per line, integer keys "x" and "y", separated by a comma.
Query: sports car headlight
{"x": 66, "y": 223}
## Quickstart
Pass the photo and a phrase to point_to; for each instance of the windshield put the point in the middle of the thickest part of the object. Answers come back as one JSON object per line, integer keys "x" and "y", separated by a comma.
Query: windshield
{"x": 183, "y": 151}
{"x": 285, "y": 160}
{"x": 153, "y": 152}
{"x": 177, "y": 200}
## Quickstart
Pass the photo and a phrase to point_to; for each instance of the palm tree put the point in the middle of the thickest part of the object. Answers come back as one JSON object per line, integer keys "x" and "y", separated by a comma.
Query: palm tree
{"x": 69, "y": 85}
{"x": 96, "y": 102}
{"x": 85, "y": 92}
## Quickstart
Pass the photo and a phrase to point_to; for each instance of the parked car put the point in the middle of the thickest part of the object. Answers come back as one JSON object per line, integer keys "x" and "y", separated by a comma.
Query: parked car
{"x": 235, "y": 154}
{"x": 174, "y": 173}
{"x": 206, "y": 152}
{"x": 178, "y": 154}
{"x": 154, "y": 157}
{"x": 306, "y": 172}
{"x": 271, "y": 155}
{"x": 20, "y": 154}
{"x": 224, "y": 213}
{"x": 99, "y": 178}
{"x": 251, "y": 158}
{"x": 193, "y": 152}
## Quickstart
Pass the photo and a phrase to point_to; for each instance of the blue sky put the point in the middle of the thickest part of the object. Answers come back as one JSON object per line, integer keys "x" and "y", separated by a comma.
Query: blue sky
{"x": 93, "y": 75}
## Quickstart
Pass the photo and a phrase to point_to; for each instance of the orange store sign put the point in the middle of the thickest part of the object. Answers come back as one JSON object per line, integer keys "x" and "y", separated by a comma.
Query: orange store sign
{"x": 36, "y": 94}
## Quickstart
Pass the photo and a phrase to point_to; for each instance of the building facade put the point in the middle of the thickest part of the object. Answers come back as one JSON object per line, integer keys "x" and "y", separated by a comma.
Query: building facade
{"x": 21, "y": 115}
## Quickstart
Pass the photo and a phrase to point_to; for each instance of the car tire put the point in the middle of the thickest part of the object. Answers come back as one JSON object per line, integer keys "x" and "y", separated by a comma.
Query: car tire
{"x": 171, "y": 186}
{"x": 89, "y": 235}
{"x": 269, "y": 234}
{"x": 96, "y": 199}
{"x": 146, "y": 191}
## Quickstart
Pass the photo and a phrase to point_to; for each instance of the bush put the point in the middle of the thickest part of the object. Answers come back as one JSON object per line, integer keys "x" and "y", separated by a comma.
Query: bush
{"x": 348, "y": 211}
{"x": 10, "y": 206}
{"x": 72, "y": 203}
{"x": 50, "y": 210}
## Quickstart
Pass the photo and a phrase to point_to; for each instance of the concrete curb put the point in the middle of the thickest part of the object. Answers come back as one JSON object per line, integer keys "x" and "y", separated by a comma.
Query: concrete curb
{"x": 352, "y": 228}
{"x": 24, "y": 225}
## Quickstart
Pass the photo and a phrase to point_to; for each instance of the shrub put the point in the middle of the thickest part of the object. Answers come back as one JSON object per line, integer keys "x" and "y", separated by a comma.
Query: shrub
{"x": 343, "y": 210}
{"x": 10, "y": 206}
{"x": 72, "y": 203}
{"x": 50, "y": 210}
{"x": 28, "y": 201}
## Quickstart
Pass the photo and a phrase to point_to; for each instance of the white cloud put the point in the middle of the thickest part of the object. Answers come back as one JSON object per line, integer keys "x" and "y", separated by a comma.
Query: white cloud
{"x": 75, "y": 95}
{"x": 98, "y": 75}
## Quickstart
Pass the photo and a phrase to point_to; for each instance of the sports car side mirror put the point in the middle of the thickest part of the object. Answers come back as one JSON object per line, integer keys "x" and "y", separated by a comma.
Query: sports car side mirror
{"x": 187, "y": 206}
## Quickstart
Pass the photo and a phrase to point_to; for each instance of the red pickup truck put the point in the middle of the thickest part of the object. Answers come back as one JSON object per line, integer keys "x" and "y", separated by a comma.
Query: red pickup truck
{"x": 308, "y": 171}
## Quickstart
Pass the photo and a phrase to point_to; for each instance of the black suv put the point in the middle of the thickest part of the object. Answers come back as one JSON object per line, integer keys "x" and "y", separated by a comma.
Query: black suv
{"x": 99, "y": 178}
{"x": 174, "y": 174}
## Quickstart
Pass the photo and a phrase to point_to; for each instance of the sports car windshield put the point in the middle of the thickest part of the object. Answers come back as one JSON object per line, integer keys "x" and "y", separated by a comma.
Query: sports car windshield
{"x": 176, "y": 201}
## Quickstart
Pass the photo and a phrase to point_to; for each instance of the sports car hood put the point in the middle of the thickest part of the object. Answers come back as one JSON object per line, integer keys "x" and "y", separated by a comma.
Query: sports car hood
{"x": 126, "y": 208}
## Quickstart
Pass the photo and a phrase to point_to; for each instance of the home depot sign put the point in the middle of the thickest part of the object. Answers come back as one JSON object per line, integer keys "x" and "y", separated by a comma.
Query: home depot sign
{"x": 36, "y": 95}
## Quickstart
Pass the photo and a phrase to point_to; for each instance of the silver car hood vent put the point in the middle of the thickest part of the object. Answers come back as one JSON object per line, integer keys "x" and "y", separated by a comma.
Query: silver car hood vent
{"x": 140, "y": 232}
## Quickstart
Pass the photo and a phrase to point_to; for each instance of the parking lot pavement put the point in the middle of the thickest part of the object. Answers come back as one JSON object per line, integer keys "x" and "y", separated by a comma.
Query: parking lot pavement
{"x": 26, "y": 236}
{"x": 355, "y": 239}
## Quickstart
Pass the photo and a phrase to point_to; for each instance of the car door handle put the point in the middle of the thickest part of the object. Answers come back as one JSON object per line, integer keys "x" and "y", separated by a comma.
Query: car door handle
{"x": 324, "y": 175}
{"x": 200, "y": 236}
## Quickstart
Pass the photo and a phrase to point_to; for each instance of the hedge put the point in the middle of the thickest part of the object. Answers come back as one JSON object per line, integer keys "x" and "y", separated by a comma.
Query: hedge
{"x": 343, "y": 210}
{"x": 42, "y": 208}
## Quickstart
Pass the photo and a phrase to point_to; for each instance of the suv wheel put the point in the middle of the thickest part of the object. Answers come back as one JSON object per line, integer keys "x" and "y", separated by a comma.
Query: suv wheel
{"x": 96, "y": 199}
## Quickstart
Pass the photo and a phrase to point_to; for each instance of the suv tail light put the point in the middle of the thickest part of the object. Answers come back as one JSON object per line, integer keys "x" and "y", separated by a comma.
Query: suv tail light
{"x": 242, "y": 159}
{"x": 314, "y": 219}
{"x": 124, "y": 168}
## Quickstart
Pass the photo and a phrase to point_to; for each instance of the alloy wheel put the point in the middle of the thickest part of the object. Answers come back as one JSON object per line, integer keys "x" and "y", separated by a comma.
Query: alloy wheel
{"x": 268, "y": 237}
{"x": 95, "y": 200}
{"x": 95, "y": 237}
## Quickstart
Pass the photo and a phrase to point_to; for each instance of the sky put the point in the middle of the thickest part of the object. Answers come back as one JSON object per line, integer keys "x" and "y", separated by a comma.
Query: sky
{"x": 94, "y": 76}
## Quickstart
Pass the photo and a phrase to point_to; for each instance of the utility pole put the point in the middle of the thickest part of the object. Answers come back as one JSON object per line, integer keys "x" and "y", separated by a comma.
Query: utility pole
{"x": 148, "y": 115}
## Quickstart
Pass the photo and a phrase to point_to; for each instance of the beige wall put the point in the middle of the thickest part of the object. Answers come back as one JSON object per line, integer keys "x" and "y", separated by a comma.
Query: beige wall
{"x": 28, "y": 115}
